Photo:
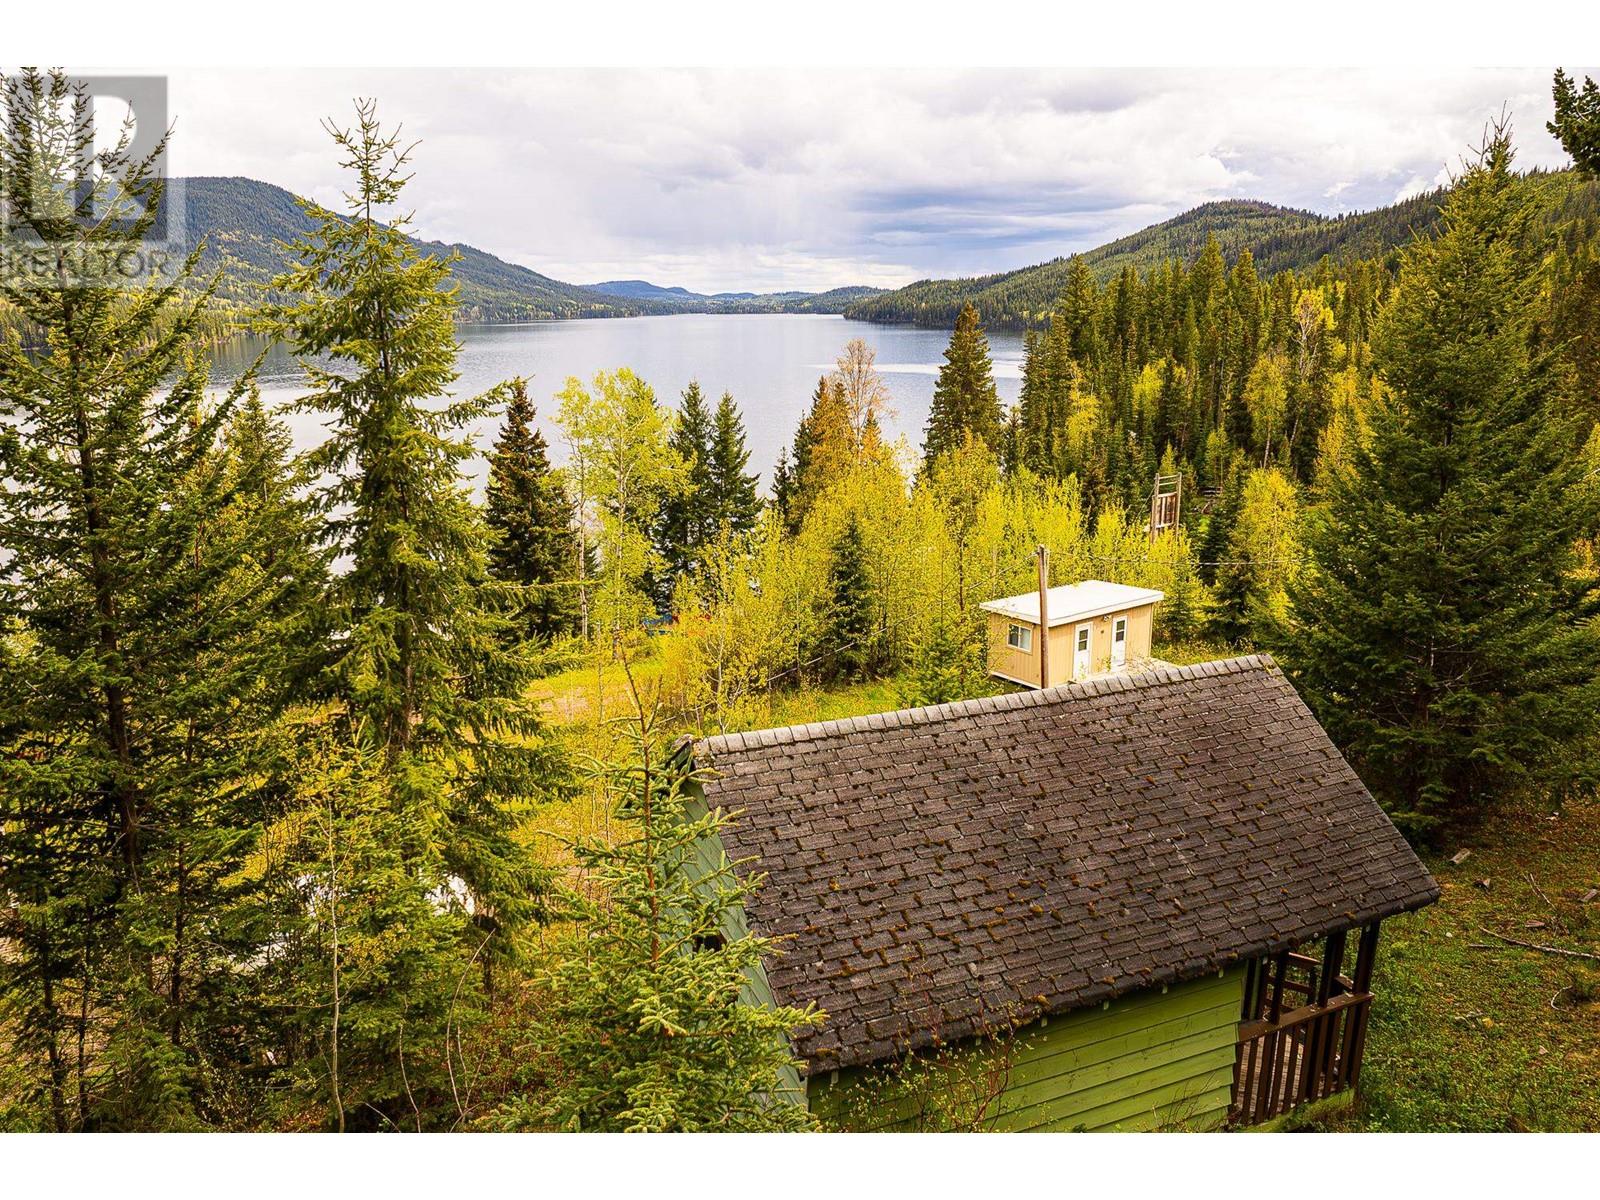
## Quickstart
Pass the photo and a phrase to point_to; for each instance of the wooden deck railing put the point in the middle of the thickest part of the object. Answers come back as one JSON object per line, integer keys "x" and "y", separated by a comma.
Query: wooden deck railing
{"x": 1292, "y": 1056}
{"x": 1305, "y": 1055}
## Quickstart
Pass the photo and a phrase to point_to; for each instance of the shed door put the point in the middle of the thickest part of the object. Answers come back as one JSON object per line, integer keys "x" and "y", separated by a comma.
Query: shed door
{"x": 1080, "y": 652}
{"x": 1119, "y": 643}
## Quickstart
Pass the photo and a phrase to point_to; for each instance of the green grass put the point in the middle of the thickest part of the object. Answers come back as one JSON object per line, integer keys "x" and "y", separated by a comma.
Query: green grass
{"x": 1186, "y": 654}
{"x": 1469, "y": 1033}
{"x": 836, "y": 702}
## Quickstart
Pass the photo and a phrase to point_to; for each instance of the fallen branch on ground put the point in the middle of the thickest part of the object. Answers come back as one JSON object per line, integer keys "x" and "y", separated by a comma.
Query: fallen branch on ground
{"x": 1536, "y": 946}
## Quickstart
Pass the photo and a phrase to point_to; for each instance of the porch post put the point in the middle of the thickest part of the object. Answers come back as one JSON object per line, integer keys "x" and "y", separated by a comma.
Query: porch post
{"x": 1356, "y": 1033}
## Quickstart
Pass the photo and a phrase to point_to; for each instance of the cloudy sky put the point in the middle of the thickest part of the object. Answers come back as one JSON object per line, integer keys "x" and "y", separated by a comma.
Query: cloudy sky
{"x": 731, "y": 180}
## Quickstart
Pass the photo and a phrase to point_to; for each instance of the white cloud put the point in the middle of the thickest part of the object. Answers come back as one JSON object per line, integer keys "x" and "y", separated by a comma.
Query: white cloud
{"x": 729, "y": 180}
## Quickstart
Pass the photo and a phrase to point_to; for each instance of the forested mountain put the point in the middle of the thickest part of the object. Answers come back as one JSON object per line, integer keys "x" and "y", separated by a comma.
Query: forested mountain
{"x": 243, "y": 221}
{"x": 1278, "y": 239}
{"x": 836, "y": 300}
{"x": 640, "y": 289}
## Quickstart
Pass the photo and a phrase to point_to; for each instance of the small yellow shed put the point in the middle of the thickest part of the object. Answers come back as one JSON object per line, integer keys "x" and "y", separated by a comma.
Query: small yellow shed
{"x": 1095, "y": 628}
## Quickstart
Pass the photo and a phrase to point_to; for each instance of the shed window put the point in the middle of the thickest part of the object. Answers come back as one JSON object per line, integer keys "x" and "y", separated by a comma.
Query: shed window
{"x": 1020, "y": 637}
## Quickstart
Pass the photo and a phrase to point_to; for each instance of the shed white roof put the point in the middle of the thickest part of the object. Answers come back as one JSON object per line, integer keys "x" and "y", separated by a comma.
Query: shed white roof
{"x": 1075, "y": 602}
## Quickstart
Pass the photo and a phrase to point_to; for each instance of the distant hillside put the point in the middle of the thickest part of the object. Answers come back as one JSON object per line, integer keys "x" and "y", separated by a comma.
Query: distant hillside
{"x": 243, "y": 220}
{"x": 683, "y": 300}
{"x": 1278, "y": 239}
{"x": 638, "y": 289}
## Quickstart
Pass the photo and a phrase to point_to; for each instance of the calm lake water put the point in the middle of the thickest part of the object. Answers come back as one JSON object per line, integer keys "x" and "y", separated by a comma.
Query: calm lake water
{"x": 770, "y": 363}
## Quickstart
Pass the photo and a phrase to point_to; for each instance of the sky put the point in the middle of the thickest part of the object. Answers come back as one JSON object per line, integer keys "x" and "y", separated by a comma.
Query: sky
{"x": 729, "y": 180}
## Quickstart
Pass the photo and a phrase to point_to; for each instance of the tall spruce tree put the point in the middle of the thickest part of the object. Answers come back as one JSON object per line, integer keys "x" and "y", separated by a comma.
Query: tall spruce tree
{"x": 153, "y": 581}
{"x": 849, "y": 632}
{"x": 964, "y": 398}
{"x": 1577, "y": 121}
{"x": 527, "y": 506}
{"x": 734, "y": 490}
{"x": 1079, "y": 307}
{"x": 824, "y": 453}
{"x": 1443, "y": 635}
{"x": 1219, "y": 524}
{"x": 783, "y": 491}
{"x": 688, "y": 516}
{"x": 433, "y": 727}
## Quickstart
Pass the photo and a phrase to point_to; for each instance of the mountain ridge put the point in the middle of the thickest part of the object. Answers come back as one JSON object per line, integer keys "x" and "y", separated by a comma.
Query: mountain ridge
{"x": 832, "y": 300}
{"x": 1278, "y": 237}
{"x": 240, "y": 222}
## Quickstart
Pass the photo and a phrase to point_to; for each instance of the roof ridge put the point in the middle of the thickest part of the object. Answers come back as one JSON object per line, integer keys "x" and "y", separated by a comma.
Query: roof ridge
{"x": 932, "y": 714}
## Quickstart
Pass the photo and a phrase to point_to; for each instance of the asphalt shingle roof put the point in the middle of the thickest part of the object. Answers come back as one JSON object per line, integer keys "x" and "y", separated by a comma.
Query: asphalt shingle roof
{"x": 939, "y": 872}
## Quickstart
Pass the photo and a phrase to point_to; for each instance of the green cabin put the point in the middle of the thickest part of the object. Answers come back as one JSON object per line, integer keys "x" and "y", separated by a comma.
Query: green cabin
{"x": 1143, "y": 901}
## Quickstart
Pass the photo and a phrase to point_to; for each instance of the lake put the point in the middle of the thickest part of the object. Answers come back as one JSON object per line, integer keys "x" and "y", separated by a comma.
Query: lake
{"x": 770, "y": 362}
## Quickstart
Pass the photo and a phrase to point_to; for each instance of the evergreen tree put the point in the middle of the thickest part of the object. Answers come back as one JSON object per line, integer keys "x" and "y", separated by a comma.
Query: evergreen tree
{"x": 688, "y": 517}
{"x": 1577, "y": 123}
{"x": 784, "y": 491}
{"x": 1078, "y": 308}
{"x": 651, "y": 1026}
{"x": 738, "y": 502}
{"x": 432, "y": 724}
{"x": 825, "y": 449}
{"x": 1181, "y": 614}
{"x": 152, "y": 575}
{"x": 527, "y": 506}
{"x": 1219, "y": 525}
{"x": 1443, "y": 635}
{"x": 849, "y": 630}
{"x": 964, "y": 398}
{"x": 944, "y": 666}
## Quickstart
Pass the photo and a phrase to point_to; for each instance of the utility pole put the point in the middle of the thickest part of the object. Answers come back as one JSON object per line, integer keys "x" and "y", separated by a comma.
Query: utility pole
{"x": 1044, "y": 616}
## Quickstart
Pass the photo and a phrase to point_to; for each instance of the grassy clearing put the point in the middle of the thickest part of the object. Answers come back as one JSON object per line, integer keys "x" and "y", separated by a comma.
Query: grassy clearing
{"x": 1470, "y": 1033}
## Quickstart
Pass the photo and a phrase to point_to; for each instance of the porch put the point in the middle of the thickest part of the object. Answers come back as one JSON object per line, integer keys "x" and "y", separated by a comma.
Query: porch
{"x": 1303, "y": 1026}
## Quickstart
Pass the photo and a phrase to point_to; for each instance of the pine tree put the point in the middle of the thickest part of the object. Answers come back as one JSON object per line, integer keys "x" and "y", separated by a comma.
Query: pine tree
{"x": 825, "y": 450}
{"x": 1180, "y": 615}
{"x": 1079, "y": 305}
{"x": 154, "y": 574}
{"x": 1442, "y": 633}
{"x": 1219, "y": 524}
{"x": 432, "y": 718}
{"x": 850, "y": 628}
{"x": 964, "y": 398}
{"x": 650, "y": 1027}
{"x": 1577, "y": 121}
{"x": 944, "y": 666}
{"x": 527, "y": 507}
{"x": 784, "y": 492}
{"x": 738, "y": 502}
{"x": 688, "y": 519}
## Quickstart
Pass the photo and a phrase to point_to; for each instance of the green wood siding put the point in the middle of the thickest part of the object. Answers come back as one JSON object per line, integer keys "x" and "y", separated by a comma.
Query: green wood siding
{"x": 1151, "y": 1059}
